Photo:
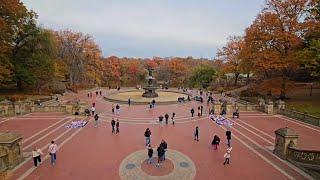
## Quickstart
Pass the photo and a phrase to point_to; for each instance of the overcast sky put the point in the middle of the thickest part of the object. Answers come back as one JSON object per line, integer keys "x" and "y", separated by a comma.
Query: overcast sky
{"x": 147, "y": 28}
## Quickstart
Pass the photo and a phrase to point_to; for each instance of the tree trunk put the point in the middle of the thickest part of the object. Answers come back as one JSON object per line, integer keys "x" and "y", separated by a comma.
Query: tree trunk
{"x": 236, "y": 78}
{"x": 19, "y": 84}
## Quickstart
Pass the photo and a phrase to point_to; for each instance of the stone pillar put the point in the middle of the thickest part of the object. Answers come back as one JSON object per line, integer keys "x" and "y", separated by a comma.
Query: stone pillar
{"x": 82, "y": 109}
{"x": 6, "y": 110}
{"x": 17, "y": 107}
{"x": 285, "y": 137}
{"x": 229, "y": 109}
{"x": 69, "y": 109}
{"x": 269, "y": 107}
{"x": 262, "y": 104}
{"x": 280, "y": 105}
{"x": 10, "y": 144}
{"x": 32, "y": 108}
{"x": 3, "y": 165}
{"x": 46, "y": 109}
{"x": 217, "y": 107}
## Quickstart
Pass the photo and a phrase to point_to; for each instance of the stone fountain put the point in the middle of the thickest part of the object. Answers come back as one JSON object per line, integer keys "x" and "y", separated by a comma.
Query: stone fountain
{"x": 150, "y": 89}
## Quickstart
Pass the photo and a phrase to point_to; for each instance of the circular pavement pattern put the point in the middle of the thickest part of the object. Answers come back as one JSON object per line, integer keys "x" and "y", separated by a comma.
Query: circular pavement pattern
{"x": 131, "y": 166}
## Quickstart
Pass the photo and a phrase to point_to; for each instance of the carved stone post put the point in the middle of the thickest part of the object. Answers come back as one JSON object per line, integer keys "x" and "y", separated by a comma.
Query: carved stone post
{"x": 69, "y": 109}
{"x": 10, "y": 143}
{"x": 217, "y": 107}
{"x": 280, "y": 105}
{"x": 229, "y": 109}
{"x": 285, "y": 137}
{"x": 269, "y": 107}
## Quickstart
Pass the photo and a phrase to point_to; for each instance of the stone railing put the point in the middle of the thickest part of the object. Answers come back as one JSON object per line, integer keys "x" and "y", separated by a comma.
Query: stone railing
{"x": 19, "y": 109}
{"x": 304, "y": 156}
{"x": 286, "y": 147}
{"x": 304, "y": 117}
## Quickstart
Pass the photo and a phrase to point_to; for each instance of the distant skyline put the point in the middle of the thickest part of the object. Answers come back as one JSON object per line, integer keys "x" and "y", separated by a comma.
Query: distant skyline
{"x": 144, "y": 28}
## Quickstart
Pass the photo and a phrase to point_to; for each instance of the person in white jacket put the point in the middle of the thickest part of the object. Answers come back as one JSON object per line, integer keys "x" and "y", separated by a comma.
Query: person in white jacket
{"x": 36, "y": 154}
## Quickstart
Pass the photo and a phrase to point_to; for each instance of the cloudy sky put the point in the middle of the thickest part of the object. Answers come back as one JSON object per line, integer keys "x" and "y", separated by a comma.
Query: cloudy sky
{"x": 147, "y": 28}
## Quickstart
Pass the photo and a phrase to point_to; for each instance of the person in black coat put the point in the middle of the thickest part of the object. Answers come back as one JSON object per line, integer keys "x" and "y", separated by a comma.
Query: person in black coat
{"x": 147, "y": 135}
{"x": 215, "y": 142}
{"x": 165, "y": 147}
{"x": 150, "y": 154}
{"x": 113, "y": 123}
{"x": 117, "y": 127}
{"x": 167, "y": 117}
{"x": 196, "y": 134}
{"x": 228, "y": 134}
{"x": 160, "y": 154}
{"x": 192, "y": 112}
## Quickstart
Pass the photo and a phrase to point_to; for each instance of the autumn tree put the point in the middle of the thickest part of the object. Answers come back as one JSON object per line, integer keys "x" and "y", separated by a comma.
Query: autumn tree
{"x": 231, "y": 55}
{"x": 275, "y": 36}
{"x": 80, "y": 54}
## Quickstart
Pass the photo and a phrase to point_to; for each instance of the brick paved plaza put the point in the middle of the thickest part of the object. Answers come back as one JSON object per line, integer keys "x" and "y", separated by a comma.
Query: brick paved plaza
{"x": 96, "y": 153}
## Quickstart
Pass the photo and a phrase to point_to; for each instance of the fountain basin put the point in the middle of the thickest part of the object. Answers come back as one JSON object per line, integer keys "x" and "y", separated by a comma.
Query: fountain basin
{"x": 164, "y": 97}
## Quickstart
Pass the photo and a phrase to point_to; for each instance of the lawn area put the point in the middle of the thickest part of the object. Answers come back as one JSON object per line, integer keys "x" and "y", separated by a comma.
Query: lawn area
{"x": 301, "y": 100}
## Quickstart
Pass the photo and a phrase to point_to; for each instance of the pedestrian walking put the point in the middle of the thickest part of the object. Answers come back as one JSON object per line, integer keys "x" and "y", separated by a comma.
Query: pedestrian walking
{"x": 198, "y": 111}
{"x": 153, "y": 103}
{"x": 160, "y": 119}
{"x": 118, "y": 109}
{"x": 97, "y": 93}
{"x": 100, "y": 93}
{"x": 172, "y": 118}
{"x": 117, "y": 127}
{"x": 173, "y": 115}
{"x": 160, "y": 155}
{"x": 96, "y": 118}
{"x": 227, "y": 156}
{"x": 147, "y": 135}
{"x": 201, "y": 109}
{"x": 129, "y": 101}
{"x": 112, "y": 108}
{"x": 36, "y": 154}
{"x": 88, "y": 94}
{"x": 192, "y": 112}
{"x": 113, "y": 123}
{"x": 165, "y": 147}
{"x": 196, "y": 134}
{"x": 150, "y": 154}
{"x": 166, "y": 116}
{"x": 93, "y": 109}
{"x": 53, "y": 148}
{"x": 215, "y": 142}
{"x": 228, "y": 134}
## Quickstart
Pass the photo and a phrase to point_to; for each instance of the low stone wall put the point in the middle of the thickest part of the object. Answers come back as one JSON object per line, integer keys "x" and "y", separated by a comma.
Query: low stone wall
{"x": 11, "y": 110}
{"x": 304, "y": 156}
{"x": 300, "y": 116}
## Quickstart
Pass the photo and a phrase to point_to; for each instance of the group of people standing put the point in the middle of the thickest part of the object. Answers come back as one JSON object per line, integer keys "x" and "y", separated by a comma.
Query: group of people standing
{"x": 215, "y": 143}
{"x": 200, "y": 111}
{"x": 161, "y": 150}
{"x": 98, "y": 92}
{"x": 166, "y": 117}
{"x": 115, "y": 110}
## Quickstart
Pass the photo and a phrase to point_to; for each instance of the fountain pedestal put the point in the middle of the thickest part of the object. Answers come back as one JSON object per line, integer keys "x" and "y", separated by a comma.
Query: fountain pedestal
{"x": 150, "y": 90}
